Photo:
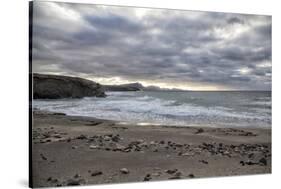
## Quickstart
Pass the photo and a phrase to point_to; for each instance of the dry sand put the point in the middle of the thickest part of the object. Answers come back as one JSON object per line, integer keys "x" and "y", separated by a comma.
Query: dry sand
{"x": 70, "y": 150}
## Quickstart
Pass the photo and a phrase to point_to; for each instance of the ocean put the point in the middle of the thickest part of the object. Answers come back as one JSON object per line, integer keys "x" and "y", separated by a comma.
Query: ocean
{"x": 210, "y": 109}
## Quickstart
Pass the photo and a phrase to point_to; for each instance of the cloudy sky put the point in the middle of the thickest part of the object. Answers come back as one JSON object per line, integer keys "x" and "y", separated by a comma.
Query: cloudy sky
{"x": 167, "y": 48}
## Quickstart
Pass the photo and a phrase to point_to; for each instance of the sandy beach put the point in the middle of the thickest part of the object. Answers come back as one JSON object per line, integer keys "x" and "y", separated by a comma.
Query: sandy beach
{"x": 70, "y": 150}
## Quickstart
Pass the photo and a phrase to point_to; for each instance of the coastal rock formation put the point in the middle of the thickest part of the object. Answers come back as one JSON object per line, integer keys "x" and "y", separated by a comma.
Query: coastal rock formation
{"x": 124, "y": 87}
{"x": 55, "y": 87}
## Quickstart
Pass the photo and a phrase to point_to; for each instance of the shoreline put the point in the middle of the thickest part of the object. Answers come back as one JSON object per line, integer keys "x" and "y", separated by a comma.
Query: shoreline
{"x": 145, "y": 124}
{"x": 75, "y": 150}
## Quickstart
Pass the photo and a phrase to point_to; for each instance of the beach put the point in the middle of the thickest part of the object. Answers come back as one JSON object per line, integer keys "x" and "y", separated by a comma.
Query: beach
{"x": 76, "y": 150}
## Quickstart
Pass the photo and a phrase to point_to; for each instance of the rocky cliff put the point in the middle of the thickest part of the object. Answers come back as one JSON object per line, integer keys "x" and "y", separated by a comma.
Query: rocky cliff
{"x": 124, "y": 87}
{"x": 55, "y": 87}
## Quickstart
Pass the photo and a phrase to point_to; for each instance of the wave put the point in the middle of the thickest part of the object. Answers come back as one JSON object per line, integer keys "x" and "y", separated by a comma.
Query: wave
{"x": 140, "y": 107}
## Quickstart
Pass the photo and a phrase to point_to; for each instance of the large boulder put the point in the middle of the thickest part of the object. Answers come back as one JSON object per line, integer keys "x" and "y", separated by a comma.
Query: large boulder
{"x": 56, "y": 86}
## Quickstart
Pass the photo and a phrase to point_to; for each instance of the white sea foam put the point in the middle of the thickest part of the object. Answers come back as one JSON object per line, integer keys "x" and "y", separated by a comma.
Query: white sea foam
{"x": 142, "y": 108}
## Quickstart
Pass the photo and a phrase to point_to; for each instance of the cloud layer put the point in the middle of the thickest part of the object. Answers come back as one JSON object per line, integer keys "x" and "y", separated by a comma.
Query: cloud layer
{"x": 168, "y": 48}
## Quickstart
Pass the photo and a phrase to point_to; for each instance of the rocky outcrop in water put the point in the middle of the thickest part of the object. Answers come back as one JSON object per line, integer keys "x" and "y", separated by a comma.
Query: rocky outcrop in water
{"x": 56, "y": 87}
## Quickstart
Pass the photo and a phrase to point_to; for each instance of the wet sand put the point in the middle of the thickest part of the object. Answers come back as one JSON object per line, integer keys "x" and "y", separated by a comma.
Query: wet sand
{"x": 70, "y": 150}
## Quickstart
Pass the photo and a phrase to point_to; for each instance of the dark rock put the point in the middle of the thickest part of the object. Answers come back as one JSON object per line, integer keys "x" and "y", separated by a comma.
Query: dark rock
{"x": 55, "y": 87}
{"x": 43, "y": 157}
{"x": 171, "y": 171}
{"x": 72, "y": 182}
{"x": 200, "y": 130}
{"x": 96, "y": 173}
{"x": 203, "y": 161}
{"x": 162, "y": 142}
{"x": 49, "y": 179}
{"x": 81, "y": 137}
{"x": 77, "y": 176}
{"x": 263, "y": 161}
{"x": 147, "y": 177}
{"x": 191, "y": 176}
{"x": 116, "y": 138}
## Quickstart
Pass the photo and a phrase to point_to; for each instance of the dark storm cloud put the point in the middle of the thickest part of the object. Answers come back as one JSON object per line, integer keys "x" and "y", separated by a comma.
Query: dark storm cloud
{"x": 196, "y": 50}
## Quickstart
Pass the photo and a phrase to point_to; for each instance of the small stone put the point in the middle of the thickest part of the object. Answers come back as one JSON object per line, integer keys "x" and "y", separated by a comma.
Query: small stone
{"x": 203, "y": 161}
{"x": 187, "y": 154}
{"x": 263, "y": 161}
{"x": 200, "y": 130}
{"x": 72, "y": 182}
{"x": 124, "y": 170}
{"x": 81, "y": 137}
{"x": 43, "y": 157}
{"x": 77, "y": 176}
{"x": 116, "y": 138}
{"x": 191, "y": 176}
{"x": 119, "y": 147}
{"x": 147, "y": 177}
{"x": 93, "y": 147}
{"x": 171, "y": 171}
{"x": 49, "y": 179}
{"x": 107, "y": 138}
{"x": 156, "y": 174}
{"x": 96, "y": 173}
{"x": 74, "y": 147}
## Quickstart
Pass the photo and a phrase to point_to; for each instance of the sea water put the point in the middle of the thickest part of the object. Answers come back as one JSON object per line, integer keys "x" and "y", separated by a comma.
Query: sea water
{"x": 214, "y": 109}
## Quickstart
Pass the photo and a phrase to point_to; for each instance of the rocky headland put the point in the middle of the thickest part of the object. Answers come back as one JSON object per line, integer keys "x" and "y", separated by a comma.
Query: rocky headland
{"x": 56, "y": 86}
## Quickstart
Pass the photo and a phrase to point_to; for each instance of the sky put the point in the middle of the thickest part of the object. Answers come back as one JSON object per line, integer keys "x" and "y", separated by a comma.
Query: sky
{"x": 189, "y": 50}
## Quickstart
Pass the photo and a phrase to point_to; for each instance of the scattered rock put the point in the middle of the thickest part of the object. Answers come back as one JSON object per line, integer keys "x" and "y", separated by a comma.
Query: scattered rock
{"x": 43, "y": 157}
{"x": 96, "y": 173}
{"x": 116, "y": 138}
{"x": 93, "y": 147}
{"x": 124, "y": 170}
{"x": 72, "y": 182}
{"x": 263, "y": 161}
{"x": 81, "y": 137}
{"x": 203, "y": 161}
{"x": 171, "y": 171}
{"x": 200, "y": 130}
{"x": 74, "y": 147}
{"x": 147, "y": 177}
{"x": 191, "y": 176}
{"x": 156, "y": 174}
{"x": 77, "y": 176}
{"x": 187, "y": 154}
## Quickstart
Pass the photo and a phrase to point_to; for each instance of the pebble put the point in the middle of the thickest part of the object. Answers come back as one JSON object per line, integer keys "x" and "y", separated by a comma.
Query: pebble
{"x": 203, "y": 161}
{"x": 171, "y": 171}
{"x": 82, "y": 137}
{"x": 72, "y": 182}
{"x": 191, "y": 176}
{"x": 263, "y": 161}
{"x": 147, "y": 177}
{"x": 93, "y": 147}
{"x": 124, "y": 170}
{"x": 43, "y": 157}
{"x": 77, "y": 176}
{"x": 96, "y": 173}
